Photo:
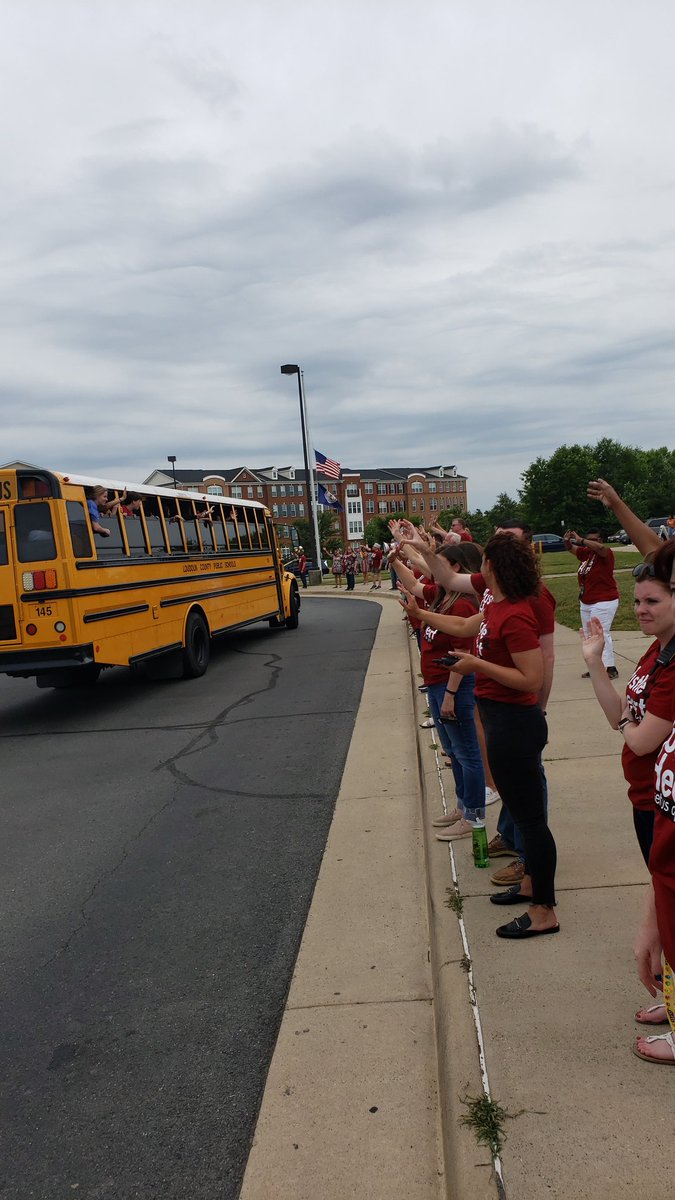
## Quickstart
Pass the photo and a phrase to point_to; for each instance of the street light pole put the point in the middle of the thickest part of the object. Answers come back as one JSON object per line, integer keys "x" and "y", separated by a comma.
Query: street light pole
{"x": 172, "y": 459}
{"x": 294, "y": 369}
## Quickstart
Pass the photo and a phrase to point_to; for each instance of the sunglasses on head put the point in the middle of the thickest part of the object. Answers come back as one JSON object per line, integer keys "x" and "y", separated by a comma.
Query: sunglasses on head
{"x": 644, "y": 571}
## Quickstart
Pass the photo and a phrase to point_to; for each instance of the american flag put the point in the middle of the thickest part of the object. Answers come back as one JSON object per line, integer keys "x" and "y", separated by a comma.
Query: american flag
{"x": 327, "y": 465}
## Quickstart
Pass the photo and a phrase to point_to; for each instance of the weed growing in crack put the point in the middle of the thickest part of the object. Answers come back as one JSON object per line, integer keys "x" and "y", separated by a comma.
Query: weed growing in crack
{"x": 454, "y": 901}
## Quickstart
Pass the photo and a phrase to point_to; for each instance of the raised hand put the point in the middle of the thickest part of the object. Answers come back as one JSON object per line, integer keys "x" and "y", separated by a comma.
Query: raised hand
{"x": 592, "y": 641}
{"x": 600, "y": 489}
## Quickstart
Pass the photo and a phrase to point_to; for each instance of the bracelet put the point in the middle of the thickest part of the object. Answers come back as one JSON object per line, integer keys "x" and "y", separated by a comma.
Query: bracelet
{"x": 449, "y": 693}
{"x": 622, "y": 724}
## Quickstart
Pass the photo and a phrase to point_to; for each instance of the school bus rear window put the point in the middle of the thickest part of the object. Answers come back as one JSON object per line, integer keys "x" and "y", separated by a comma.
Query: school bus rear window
{"x": 34, "y": 532}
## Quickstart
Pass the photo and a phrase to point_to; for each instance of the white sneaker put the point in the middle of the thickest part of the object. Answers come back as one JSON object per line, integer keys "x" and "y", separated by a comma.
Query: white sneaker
{"x": 491, "y": 796}
{"x": 428, "y": 724}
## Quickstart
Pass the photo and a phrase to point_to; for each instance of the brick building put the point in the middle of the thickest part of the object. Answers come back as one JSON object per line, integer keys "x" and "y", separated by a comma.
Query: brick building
{"x": 417, "y": 491}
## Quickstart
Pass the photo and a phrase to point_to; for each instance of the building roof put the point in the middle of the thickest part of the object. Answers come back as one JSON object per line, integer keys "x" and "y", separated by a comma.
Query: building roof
{"x": 283, "y": 474}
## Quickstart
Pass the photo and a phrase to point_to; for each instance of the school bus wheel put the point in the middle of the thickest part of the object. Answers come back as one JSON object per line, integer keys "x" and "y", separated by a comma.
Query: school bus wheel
{"x": 293, "y": 617}
{"x": 197, "y": 650}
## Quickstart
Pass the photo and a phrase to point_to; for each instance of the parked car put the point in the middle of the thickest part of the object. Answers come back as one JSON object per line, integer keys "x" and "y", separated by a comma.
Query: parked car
{"x": 655, "y": 523}
{"x": 621, "y": 537}
{"x": 547, "y": 542}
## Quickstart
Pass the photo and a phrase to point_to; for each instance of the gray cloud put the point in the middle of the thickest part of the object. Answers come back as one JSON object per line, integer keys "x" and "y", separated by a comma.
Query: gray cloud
{"x": 465, "y": 269}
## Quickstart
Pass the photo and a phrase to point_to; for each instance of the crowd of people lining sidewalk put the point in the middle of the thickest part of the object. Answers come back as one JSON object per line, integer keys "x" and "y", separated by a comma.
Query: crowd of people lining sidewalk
{"x": 484, "y": 623}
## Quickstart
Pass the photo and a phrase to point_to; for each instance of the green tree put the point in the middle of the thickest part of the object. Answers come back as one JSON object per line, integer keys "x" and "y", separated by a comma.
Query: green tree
{"x": 329, "y": 531}
{"x": 377, "y": 529}
{"x": 553, "y": 495}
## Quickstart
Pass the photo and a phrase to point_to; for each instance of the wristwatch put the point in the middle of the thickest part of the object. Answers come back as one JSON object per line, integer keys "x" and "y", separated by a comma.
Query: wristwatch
{"x": 622, "y": 724}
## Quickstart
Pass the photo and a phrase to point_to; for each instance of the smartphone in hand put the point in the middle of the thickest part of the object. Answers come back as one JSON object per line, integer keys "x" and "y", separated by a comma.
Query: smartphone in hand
{"x": 448, "y": 660}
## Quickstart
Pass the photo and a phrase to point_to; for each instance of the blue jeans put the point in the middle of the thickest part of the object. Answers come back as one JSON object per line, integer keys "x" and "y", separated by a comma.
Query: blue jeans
{"x": 458, "y": 739}
{"x": 507, "y": 828}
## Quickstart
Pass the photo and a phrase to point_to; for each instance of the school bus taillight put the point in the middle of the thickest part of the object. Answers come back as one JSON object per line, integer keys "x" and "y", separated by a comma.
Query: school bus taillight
{"x": 38, "y": 581}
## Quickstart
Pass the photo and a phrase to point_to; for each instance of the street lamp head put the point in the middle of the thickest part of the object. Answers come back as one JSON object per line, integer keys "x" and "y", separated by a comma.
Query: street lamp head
{"x": 171, "y": 458}
{"x": 290, "y": 369}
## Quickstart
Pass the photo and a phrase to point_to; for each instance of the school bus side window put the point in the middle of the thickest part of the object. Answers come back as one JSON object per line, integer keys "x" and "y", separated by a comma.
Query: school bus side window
{"x": 79, "y": 529}
{"x": 34, "y": 532}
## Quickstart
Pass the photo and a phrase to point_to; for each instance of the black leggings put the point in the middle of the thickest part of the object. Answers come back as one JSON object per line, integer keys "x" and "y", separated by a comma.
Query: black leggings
{"x": 643, "y": 820}
{"x": 515, "y": 736}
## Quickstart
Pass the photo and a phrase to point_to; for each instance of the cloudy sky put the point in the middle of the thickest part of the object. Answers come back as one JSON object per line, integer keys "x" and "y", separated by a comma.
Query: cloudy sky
{"x": 457, "y": 215}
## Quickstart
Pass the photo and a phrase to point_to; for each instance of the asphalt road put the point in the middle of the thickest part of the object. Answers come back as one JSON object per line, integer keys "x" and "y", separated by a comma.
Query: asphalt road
{"x": 160, "y": 846}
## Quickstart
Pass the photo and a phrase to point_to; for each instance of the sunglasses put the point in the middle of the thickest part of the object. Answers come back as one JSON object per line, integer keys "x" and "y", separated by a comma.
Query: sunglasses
{"x": 644, "y": 571}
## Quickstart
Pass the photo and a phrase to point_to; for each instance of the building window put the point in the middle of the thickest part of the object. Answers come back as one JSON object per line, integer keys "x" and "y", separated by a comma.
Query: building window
{"x": 368, "y": 489}
{"x": 400, "y": 488}
{"x": 284, "y": 510}
{"x": 282, "y": 489}
{"x": 352, "y": 489}
{"x": 236, "y": 493}
{"x": 301, "y": 510}
{"x": 370, "y": 506}
{"x": 381, "y": 489}
{"x": 274, "y": 489}
{"x": 382, "y": 506}
{"x": 416, "y": 486}
{"x": 300, "y": 490}
{"x": 431, "y": 486}
{"x": 294, "y": 510}
{"x": 392, "y": 489}
{"x": 275, "y": 510}
{"x": 214, "y": 490}
{"x": 413, "y": 505}
{"x": 259, "y": 490}
{"x": 433, "y": 505}
{"x": 421, "y": 505}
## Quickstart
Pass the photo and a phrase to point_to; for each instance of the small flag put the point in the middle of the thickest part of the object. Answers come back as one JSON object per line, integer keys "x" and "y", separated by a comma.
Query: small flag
{"x": 328, "y": 498}
{"x": 327, "y": 465}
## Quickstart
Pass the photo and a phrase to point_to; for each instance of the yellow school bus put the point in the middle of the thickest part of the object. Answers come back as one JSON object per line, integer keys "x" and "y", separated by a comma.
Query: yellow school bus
{"x": 94, "y": 575}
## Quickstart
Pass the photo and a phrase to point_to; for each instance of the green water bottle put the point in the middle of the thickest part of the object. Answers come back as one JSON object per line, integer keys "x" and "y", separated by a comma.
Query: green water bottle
{"x": 480, "y": 845}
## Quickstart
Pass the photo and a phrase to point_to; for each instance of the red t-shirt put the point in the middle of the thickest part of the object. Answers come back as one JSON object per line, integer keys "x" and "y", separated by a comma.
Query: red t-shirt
{"x": 596, "y": 576}
{"x": 662, "y": 858}
{"x": 543, "y": 605}
{"x": 659, "y": 690}
{"x": 434, "y": 643}
{"x": 507, "y": 628}
{"x": 377, "y": 560}
{"x": 465, "y": 536}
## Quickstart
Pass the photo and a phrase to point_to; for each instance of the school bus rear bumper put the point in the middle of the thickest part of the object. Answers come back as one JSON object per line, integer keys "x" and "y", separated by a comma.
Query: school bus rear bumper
{"x": 22, "y": 663}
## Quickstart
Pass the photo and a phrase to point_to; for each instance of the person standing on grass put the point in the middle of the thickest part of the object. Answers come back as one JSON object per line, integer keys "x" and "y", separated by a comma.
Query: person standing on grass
{"x": 598, "y": 593}
{"x": 336, "y": 567}
{"x": 349, "y": 564}
{"x": 377, "y": 566}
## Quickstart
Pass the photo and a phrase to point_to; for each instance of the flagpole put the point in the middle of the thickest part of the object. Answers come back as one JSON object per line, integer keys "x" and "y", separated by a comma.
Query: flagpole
{"x": 312, "y": 469}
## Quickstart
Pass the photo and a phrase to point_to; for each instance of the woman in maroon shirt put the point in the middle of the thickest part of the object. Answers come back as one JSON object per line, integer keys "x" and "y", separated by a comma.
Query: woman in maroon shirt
{"x": 656, "y": 937}
{"x": 645, "y": 716}
{"x": 509, "y": 668}
{"x": 598, "y": 593}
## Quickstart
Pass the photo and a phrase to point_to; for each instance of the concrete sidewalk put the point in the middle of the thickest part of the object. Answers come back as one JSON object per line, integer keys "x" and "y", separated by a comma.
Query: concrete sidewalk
{"x": 379, "y": 1044}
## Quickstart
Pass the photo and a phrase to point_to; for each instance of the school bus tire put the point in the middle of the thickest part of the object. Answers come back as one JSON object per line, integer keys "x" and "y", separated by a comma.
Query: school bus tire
{"x": 197, "y": 649}
{"x": 293, "y": 617}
